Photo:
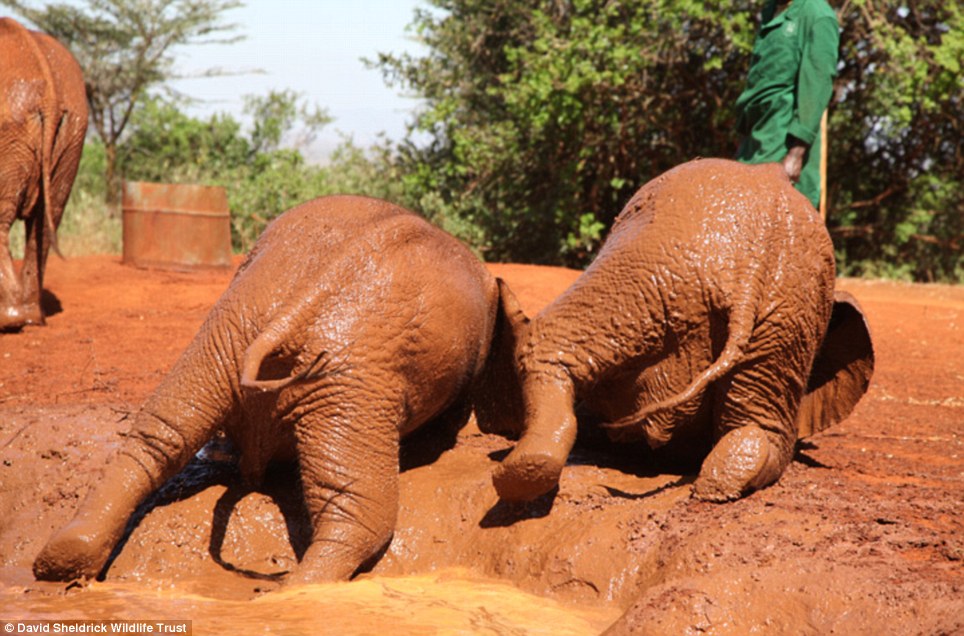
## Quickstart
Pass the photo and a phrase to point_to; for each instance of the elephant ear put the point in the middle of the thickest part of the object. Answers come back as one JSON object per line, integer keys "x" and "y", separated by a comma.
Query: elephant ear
{"x": 497, "y": 394}
{"x": 841, "y": 371}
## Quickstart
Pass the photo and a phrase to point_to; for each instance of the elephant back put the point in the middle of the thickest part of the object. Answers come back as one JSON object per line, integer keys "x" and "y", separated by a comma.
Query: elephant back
{"x": 25, "y": 79}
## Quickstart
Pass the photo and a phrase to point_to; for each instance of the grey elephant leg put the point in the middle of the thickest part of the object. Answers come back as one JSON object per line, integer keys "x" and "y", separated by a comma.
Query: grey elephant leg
{"x": 535, "y": 464}
{"x": 348, "y": 456}
{"x": 757, "y": 433}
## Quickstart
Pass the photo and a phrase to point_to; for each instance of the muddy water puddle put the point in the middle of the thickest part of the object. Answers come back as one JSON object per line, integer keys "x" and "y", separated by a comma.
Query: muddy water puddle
{"x": 448, "y": 602}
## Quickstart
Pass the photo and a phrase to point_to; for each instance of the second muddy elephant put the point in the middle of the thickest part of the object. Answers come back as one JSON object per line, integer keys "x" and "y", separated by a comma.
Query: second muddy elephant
{"x": 708, "y": 316}
{"x": 43, "y": 121}
{"x": 351, "y": 324}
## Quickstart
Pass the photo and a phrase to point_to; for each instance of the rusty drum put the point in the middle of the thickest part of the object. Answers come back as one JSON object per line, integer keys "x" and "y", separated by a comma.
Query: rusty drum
{"x": 176, "y": 226}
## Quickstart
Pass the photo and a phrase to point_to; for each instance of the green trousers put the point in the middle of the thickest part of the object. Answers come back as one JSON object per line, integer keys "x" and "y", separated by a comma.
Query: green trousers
{"x": 756, "y": 150}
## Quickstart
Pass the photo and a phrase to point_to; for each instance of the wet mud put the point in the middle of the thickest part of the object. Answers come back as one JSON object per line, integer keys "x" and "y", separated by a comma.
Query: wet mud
{"x": 864, "y": 533}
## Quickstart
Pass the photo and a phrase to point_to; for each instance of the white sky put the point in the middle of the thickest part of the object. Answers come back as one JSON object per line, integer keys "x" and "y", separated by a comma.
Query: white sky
{"x": 314, "y": 47}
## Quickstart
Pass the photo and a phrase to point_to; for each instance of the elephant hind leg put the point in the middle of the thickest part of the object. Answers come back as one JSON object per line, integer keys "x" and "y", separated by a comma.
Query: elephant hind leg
{"x": 743, "y": 460}
{"x": 82, "y": 547}
{"x": 348, "y": 458}
{"x": 534, "y": 466}
{"x": 35, "y": 253}
{"x": 756, "y": 434}
{"x": 11, "y": 310}
{"x": 153, "y": 451}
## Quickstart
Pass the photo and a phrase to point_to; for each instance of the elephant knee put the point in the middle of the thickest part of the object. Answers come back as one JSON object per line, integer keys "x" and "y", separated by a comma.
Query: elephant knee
{"x": 743, "y": 460}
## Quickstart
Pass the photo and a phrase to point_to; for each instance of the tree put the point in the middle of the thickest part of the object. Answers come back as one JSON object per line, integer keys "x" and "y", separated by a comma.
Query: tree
{"x": 125, "y": 48}
{"x": 546, "y": 116}
{"x": 261, "y": 166}
{"x": 543, "y": 117}
{"x": 897, "y": 140}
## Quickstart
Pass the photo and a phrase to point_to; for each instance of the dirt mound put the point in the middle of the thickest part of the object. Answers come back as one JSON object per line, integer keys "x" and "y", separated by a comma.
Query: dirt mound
{"x": 864, "y": 533}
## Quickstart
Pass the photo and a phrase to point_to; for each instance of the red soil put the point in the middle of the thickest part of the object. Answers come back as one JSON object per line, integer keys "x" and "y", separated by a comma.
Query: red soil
{"x": 863, "y": 534}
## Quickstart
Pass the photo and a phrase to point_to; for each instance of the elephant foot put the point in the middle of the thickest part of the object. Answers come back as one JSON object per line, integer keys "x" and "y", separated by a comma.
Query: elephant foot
{"x": 309, "y": 575}
{"x": 526, "y": 476}
{"x": 12, "y": 318}
{"x": 324, "y": 562}
{"x": 744, "y": 459}
{"x": 33, "y": 315}
{"x": 76, "y": 551}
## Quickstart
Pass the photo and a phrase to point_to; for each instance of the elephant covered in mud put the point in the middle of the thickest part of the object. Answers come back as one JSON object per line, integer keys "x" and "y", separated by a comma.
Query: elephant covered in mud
{"x": 350, "y": 324}
{"x": 708, "y": 316}
{"x": 43, "y": 121}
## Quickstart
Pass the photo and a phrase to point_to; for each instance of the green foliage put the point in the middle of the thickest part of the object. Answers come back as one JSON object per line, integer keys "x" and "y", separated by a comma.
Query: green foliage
{"x": 261, "y": 177}
{"x": 125, "y": 48}
{"x": 276, "y": 114}
{"x": 897, "y": 143}
{"x": 165, "y": 144}
{"x": 544, "y": 117}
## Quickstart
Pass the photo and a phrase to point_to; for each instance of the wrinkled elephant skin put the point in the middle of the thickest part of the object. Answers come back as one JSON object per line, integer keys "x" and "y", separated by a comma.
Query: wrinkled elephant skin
{"x": 705, "y": 321}
{"x": 43, "y": 120}
{"x": 351, "y": 323}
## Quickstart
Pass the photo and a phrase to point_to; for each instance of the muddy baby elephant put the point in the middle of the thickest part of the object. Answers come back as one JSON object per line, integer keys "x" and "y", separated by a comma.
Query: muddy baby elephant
{"x": 704, "y": 318}
{"x": 351, "y": 323}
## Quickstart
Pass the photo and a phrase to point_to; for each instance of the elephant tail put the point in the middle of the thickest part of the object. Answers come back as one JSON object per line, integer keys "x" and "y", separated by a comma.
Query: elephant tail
{"x": 269, "y": 341}
{"x": 740, "y": 325}
{"x": 740, "y": 328}
{"x": 49, "y": 127}
{"x": 46, "y": 167}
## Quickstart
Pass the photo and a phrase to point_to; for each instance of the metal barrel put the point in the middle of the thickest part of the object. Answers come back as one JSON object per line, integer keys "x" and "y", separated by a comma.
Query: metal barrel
{"x": 176, "y": 226}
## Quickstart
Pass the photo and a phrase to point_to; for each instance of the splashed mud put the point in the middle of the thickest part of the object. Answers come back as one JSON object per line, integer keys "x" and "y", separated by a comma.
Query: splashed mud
{"x": 453, "y": 602}
{"x": 863, "y": 534}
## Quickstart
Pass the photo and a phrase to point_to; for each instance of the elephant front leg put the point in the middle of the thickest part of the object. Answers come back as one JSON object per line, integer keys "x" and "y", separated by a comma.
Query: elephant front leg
{"x": 534, "y": 467}
{"x": 348, "y": 458}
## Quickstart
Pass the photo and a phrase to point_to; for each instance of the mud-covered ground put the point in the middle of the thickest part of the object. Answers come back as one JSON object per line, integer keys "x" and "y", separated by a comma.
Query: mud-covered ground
{"x": 864, "y": 534}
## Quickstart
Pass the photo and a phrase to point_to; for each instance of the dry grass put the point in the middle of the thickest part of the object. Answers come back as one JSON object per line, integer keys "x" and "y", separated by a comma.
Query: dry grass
{"x": 88, "y": 227}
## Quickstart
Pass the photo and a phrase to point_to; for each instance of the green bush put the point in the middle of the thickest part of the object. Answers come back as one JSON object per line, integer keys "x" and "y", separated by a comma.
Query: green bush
{"x": 544, "y": 117}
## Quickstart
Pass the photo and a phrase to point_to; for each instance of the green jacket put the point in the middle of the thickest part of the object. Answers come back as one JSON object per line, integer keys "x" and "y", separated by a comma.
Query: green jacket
{"x": 789, "y": 86}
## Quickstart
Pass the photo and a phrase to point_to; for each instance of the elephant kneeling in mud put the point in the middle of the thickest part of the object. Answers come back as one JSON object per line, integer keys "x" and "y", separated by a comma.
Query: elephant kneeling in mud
{"x": 708, "y": 316}
{"x": 350, "y": 324}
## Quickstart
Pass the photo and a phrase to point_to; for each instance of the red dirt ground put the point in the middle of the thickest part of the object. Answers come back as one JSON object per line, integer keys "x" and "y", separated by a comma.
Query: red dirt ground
{"x": 863, "y": 534}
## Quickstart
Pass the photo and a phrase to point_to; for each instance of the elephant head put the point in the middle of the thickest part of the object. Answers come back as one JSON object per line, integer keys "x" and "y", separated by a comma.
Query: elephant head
{"x": 352, "y": 323}
{"x": 708, "y": 314}
{"x": 43, "y": 122}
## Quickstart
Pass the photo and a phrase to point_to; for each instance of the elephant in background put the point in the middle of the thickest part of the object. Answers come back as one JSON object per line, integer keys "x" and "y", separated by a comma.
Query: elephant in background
{"x": 43, "y": 121}
{"x": 350, "y": 324}
{"x": 708, "y": 318}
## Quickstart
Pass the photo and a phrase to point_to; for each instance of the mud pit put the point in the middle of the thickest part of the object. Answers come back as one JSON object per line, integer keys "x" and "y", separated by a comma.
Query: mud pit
{"x": 863, "y": 534}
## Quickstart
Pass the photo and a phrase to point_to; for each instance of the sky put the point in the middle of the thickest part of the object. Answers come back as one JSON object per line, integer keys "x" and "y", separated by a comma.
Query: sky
{"x": 315, "y": 48}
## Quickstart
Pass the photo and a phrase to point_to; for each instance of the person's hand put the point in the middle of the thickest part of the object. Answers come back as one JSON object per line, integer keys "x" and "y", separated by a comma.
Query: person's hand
{"x": 793, "y": 161}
